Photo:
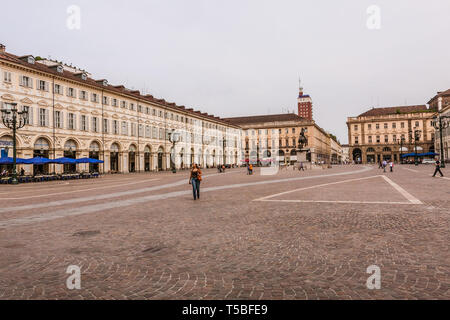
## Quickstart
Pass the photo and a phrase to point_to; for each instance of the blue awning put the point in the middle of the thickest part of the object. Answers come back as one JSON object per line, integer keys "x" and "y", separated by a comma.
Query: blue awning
{"x": 9, "y": 160}
{"x": 88, "y": 160}
{"x": 65, "y": 160}
{"x": 427, "y": 154}
{"x": 38, "y": 161}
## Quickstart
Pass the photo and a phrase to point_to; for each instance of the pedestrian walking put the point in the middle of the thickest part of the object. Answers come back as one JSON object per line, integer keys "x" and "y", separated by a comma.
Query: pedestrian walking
{"x": 301, "y": 167}
{"x": 195, "y": 178}
{"x": 384, "y": 165}
{"x": 438, "y": 169}
{"x": 391, "y": 165}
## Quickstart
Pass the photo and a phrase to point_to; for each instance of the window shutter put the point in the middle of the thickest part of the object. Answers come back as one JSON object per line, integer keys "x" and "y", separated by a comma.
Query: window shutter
{"x": 61, "y": 119}
{"x": 74, "y": 121}
{"x": 80, "y": 123}
{"x": 21, "y": 80}
{"x": 46, "y": 86}
{"x": 67, "y": 124}
{"x": 46, "y": 117}
{"x": 30, "y": 115}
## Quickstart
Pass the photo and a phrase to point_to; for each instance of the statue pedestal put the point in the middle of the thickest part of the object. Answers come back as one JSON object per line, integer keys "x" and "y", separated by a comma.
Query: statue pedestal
{"x": 301, "y": 158}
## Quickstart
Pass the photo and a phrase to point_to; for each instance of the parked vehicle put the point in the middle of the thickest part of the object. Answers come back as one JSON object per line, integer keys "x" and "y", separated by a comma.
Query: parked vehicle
{"x": 428, "y": 161}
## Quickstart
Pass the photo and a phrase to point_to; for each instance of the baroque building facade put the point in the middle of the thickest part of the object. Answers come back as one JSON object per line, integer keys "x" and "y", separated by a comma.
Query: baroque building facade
{"x": 275, "y": 138}
{"x": 441, "y": 102}
{"x": 73, "y": 115}
{"x": 388, "y": 133}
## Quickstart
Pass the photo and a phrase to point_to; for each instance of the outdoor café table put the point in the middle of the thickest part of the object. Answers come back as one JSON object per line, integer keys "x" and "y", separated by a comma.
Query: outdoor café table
{"x": 38, "y": 178}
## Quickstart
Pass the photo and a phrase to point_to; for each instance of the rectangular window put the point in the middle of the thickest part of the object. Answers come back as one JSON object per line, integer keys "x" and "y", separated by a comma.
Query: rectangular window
{"x": 26, "y": 82}
{"x": 356, "y": 128}
{"x": 378, "y": 139}
{"x": 356, "y": 140}
{"x": 114, "y": 102}
{"x": 71, "y": 123}
{"x": 402, "y": 125}
{"x": 385, "y": 125}
{"x": 369, "y": 126}
{"x": 123, "y": 104}
{"x": 154, "y": 112}
{"x": 58, "y": 89}
{"x": 154, "y": 133}
{"x": 42, "y": 85}
{"x": 116, "y": 126}
{"x": 83, "y": 123}
{"x": 132, "y": 106}
{"x": 105, "y": 125}
{"x": 71, "y": 92}
{"x": 105, "y": 100}
{"x": 394, "y": 125}
{"x": 28, "y": 120}
{"x": 394, "y": 138}
{"x": 95, "y": 124}
{"x": 42, "y": 117}
{"x": 386, "y": 139}
{"x": 161, "y": 134}
{"x": 57, "y": 116}
{"x": 124, "y": 128}
{"x": 370, "y": 139}
{"x": 417, "y": 124}
{"x": 147, "y": 132}
{"x": 83, "y": 95}
{"x": 94, "y": 97}
{"x": 7, "y": 77}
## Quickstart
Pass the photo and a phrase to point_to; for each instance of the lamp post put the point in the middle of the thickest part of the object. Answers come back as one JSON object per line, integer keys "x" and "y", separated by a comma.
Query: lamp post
{"x": 14, "y": 119}
{"x": 440, "y": 123}
{"x": 174, "y": 137}
{"x": 402, "y": 140}
{"x": 415, "y": 137}
{"x": 224, "y": 144}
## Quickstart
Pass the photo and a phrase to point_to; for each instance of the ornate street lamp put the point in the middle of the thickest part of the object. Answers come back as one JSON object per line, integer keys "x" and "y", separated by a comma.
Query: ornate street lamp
{"x": 224, "y": 144}
{"x": 440, "y": 123}
{"x": 174, "y": 137}
{"x": 415, "y": 138}
{"x": 14, "y": 120}
{"x": 401, "y": 142}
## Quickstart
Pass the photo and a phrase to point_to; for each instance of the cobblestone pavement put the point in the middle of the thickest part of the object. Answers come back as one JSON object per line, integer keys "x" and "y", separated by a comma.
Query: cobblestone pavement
{"x": 292, "y": 235}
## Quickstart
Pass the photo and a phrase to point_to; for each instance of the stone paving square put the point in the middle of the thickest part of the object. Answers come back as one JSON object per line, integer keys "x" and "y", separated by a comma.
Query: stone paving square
{"x": 142, "y": 236}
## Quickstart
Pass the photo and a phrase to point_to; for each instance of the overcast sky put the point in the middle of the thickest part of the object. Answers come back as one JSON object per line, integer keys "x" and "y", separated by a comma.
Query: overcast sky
{"x": 235, "y": 58}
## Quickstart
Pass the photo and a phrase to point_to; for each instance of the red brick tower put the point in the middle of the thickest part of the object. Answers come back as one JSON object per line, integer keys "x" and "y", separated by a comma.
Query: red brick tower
{"x": 304, "y": 105}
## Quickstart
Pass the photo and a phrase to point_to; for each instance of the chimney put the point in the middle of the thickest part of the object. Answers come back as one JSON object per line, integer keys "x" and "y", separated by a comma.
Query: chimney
{"x": 2, "y": 48}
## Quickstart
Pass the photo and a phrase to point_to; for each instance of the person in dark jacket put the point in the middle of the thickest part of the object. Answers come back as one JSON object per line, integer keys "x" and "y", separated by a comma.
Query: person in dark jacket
{"x": 438, "y": 169}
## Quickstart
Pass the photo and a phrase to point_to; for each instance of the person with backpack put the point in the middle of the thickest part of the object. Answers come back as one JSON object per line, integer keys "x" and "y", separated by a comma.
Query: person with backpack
{"x": 195, "y": 178}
